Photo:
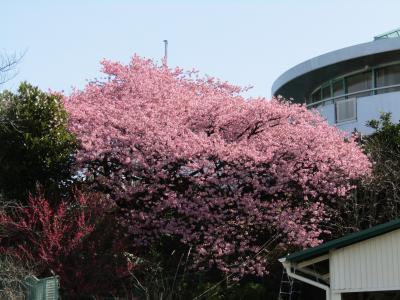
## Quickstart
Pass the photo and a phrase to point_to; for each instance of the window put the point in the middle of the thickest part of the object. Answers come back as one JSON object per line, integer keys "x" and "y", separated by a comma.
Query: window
{"x": 387, "y": 76}
{"x": 359, "y": 82}
{"x": 338, "y": 88}
{"x": 326, "y": 92}
{"x": 316, "y": 96}
{"x": 346, "y": 110}
{"x": 365, "y": 83}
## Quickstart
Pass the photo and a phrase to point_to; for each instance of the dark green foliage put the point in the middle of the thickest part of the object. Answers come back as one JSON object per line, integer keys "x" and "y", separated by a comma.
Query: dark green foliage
{"x": 36, "y": 146}
{"x": 385, "y": 141}
{"x": 376, "y": 200}
{"x": 383, "y": 191}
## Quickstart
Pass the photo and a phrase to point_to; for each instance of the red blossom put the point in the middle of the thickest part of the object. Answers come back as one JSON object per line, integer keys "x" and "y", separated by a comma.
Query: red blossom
{"x": 69, "y": 239}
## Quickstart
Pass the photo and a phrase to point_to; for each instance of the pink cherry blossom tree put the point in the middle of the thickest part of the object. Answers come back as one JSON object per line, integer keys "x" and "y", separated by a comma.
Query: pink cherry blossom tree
{"x": 188, "y": 159}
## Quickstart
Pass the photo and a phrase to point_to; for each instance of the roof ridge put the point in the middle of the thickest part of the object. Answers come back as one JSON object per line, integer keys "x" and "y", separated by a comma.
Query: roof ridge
{"x": 344, "y": 241}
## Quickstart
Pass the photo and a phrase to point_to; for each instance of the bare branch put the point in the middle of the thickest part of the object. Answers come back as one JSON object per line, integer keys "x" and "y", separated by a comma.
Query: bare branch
{"x": 12, "y": 275}
{"x": 8, "y": 65}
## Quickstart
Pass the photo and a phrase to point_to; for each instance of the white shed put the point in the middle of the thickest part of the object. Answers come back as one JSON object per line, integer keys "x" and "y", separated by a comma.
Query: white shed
{"x": 360, "y": 266}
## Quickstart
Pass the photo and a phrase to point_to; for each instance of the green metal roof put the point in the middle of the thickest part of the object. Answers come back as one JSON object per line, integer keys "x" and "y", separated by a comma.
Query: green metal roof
{"x": 387, "y": 35}
{"x": 344, "y": 241}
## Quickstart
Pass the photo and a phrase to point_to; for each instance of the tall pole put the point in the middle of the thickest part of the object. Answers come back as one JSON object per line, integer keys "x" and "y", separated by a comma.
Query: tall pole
{"x": 165, "y": 51}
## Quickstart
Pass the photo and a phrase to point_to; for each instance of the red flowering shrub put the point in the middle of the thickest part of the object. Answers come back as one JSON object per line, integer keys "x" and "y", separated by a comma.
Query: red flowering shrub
{"x": 53, "y": 232}
{"x": 189, "y": 160}
{"x": 73, "y": 240}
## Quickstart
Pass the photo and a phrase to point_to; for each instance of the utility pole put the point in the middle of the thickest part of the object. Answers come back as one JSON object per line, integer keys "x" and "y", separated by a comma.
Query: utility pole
{"x": 165, "y": 52}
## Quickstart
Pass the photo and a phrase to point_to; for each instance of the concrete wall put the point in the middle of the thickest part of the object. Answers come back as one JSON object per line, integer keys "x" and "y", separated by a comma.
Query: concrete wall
{"x": 368, "y": 108}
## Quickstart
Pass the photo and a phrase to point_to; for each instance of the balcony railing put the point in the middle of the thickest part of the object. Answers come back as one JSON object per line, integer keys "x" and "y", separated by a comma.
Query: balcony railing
{"x": 372, "y": 91}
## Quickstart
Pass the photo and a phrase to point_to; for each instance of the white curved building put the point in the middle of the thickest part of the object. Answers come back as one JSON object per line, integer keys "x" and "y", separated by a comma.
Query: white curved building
{"x": 349, "y": 86}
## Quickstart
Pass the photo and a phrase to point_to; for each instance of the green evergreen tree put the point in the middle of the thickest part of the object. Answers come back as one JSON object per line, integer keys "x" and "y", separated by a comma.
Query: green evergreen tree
{"x": 36, "y": 147}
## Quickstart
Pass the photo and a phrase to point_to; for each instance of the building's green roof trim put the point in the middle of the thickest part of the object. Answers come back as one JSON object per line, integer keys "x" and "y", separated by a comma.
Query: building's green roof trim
{"x": 344, "y": 241}
{"x": 387, "y": 35}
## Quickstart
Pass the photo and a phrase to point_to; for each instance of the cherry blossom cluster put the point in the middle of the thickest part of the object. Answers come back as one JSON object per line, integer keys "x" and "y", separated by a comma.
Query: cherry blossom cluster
{"x": 187, "y": 158}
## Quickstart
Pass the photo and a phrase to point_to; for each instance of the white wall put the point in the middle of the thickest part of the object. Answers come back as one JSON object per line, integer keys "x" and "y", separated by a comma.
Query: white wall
{"x": 368, "y": 108}
{"x": 371, "y": 265}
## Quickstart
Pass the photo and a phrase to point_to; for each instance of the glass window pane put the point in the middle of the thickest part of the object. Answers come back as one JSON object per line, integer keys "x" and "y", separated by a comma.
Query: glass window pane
{"x": 338, "y": 88}
{"x": 386, "y": 76}
{"x": 316, "y": 96}
{"x": 326, "y": 92}
{"x": 359, "y": 82}
{"x": 393, "y": 34}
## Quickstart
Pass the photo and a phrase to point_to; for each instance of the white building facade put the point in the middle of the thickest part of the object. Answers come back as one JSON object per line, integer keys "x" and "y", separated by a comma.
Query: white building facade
{"x": 361, "y": 266}
{"x": 349, "y": 86}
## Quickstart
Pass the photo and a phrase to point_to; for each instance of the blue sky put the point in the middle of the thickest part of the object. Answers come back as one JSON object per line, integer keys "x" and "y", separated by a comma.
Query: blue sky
{"x": 243, "y": 42}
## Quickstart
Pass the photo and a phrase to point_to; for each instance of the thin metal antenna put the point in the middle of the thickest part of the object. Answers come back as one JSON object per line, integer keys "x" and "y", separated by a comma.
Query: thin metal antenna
{"x": 165, "y": 52}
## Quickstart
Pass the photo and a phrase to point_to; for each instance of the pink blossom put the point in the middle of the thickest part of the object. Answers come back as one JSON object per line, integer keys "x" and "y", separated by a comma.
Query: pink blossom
{"x": 190, "y": 158}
